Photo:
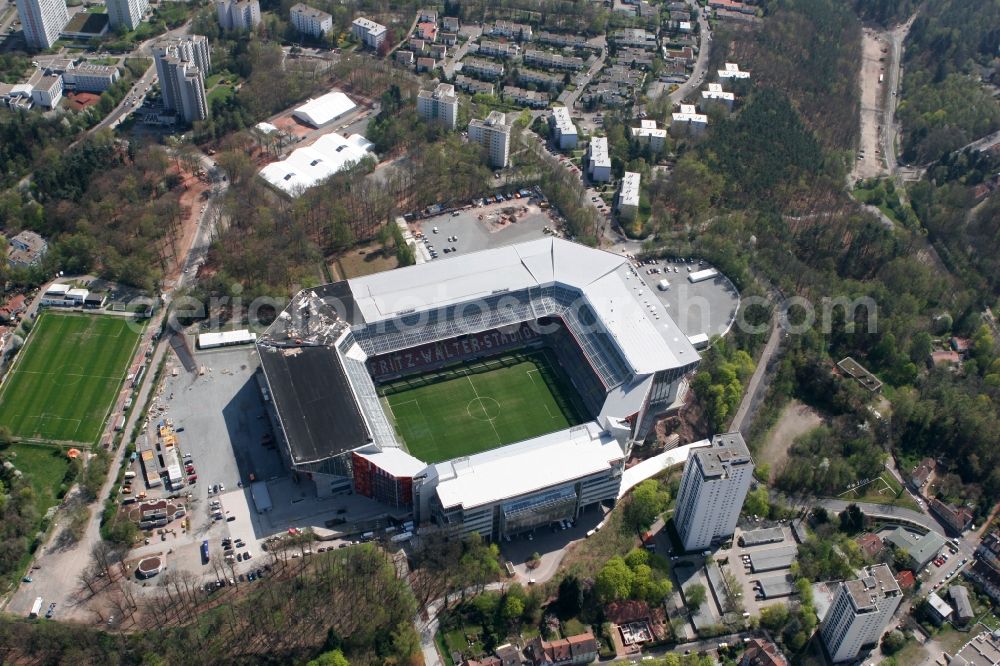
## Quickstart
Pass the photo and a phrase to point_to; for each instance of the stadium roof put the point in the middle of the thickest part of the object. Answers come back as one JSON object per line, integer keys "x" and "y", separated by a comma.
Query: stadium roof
{"x": 307, "y": 166}
{"x": 314, "y": 354}
{"x": 642, "y": 329}
{"x": 527, "y": 466}
{"x": 325, "y": 109}
{"x": 314, "y": 400}
{"x": 394, "y": 461}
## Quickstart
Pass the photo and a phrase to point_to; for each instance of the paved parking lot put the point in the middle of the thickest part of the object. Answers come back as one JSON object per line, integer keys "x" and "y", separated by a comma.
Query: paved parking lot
{"x": 551, "y": 543}
{"x": 221, "y": 418}
{"x": 707, "y": 307}
{"x": 734, "y": 565}
{"x": 481, "y": 234}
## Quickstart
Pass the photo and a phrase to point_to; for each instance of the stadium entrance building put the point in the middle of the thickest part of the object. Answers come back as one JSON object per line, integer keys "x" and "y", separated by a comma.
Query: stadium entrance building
{"x": 332, "y": 354}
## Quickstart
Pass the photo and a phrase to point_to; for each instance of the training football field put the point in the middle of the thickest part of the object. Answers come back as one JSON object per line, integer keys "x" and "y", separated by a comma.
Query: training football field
{"x": 480, "y": 406}
{"x": 67, "y": 376}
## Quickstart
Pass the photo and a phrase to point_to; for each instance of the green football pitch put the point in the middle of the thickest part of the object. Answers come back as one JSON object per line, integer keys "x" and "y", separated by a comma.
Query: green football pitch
{"x": 67, "y": 376}
{"x": 480, "y": 406}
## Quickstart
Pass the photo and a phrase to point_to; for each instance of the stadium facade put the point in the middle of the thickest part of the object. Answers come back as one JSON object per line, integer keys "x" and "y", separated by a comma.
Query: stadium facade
{"x": 326, "y": 353}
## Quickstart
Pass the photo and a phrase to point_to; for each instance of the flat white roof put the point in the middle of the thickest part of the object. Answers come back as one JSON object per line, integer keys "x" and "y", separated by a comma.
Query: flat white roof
{"x": 630, "y": 189}
{"x": 324, "y": 109}
{"x": 371, "y": 26}
{"x": 649, "y": 131}
{"x": 645, "y": 334}
{"x": 689, "y": 114}
{"x": 560, "y": 114}
{"x": 732, "y": 71}
{"x": 704, "y": 274}
{"x": 698, "y": 339}
{"x": 715, "y": 91}
{"x": 396, "y": 462}
{"x": 525, "y": 467}
{"x": 307, "y": 166}
{"x": 599, "y": 152}
{"x": 57, "y": 289}
{"x": 265, "y": 128}
{"x": 226, "y": 338}
{"x": 78, "y": 293}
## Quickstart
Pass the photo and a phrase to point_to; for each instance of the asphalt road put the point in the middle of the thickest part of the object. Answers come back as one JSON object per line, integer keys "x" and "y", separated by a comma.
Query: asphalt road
{"x": 473, "y": 33}
{"x": 889, "y": 137}
{"x": 701, "y": 64}
{"x": 59, "y": 567}
{"x": 884, "y": 510}
{"x": 583, "y": 80}
{"x": 757, "y": 387}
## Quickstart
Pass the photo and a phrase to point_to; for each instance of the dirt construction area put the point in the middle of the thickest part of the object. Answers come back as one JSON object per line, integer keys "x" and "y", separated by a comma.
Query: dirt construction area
{"x": 796, "y": 420}
{"x": 874, "y": 52}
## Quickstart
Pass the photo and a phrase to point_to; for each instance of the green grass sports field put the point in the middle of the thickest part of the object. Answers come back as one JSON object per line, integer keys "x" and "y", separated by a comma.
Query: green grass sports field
{"x": 477, "y": 407}
{"x": 67, "y": 376}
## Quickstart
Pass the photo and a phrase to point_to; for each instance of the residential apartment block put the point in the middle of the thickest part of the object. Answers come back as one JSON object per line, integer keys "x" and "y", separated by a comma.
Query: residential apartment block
{"x": 181, "y": 65}
{"x": 539, "y": 78}
{"x": 42, "y": 21}
{"x": 599, "y": 162}
{"x": 493, "y": 134}
{"x": 439, "y": 105}
{"x": 860, "y": 611}
{"x": 485, "y": 69}
{"x": 688, "y": 122}
{"x": 26, "y": 249}
{"x": 733, "y": 71}
{"x": 628, "y": 198}
{"x": 494, "y": 49}
{"x": 715, "y": 484}
{"x": 309, "y": 20}
{"x": 127, "y": 13}
{"x": 524, "y": 97}
{"x": 552, "y": 60}
{"x": 571, "y": 41}
{"x": 564, "y": 132}
{"x": 635, "y": 37}
{"x": 474, "y": 86}
{"x": 518, "y": 31}
{"x": 368, "y": 32}
{"x": 649, "y": 135}
{"x": 238, "y": 15}
{"x": 716, "y": 95}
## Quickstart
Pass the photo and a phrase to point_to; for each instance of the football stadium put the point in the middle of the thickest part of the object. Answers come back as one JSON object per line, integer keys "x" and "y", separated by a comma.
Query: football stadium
{"x": 493, "y": 392}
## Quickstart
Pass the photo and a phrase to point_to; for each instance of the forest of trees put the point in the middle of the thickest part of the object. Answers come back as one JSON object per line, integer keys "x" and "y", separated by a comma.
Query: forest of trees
{"x": 964, "y": 233}
{"x": 106, "y": 206}
{"x": 347, "y": 600}
{"x": 943, "y": 106}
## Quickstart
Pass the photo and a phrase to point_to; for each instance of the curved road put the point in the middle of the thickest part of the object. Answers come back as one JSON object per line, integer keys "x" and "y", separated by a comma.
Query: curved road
{"x": 884, "y": 511}
{"x": 701, "y": 64}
